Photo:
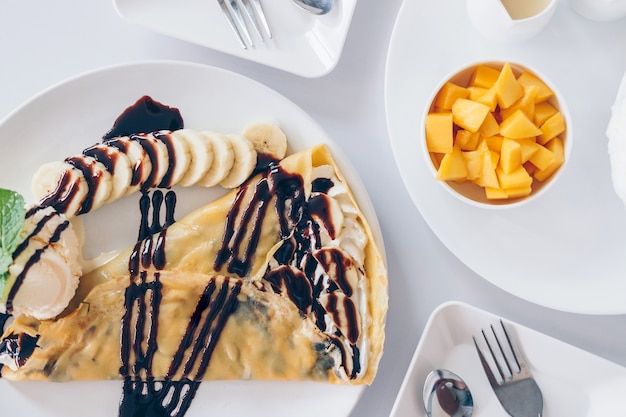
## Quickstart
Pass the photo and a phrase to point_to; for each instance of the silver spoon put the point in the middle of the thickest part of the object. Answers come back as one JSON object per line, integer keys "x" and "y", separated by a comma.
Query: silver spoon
{"x": 316, "y": 6}
{"x": 446, "y": 395}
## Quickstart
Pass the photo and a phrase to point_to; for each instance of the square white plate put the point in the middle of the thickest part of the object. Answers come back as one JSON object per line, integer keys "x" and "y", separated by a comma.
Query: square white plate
{"x": 574, "y": 382}
{"x": 303, "y": 43}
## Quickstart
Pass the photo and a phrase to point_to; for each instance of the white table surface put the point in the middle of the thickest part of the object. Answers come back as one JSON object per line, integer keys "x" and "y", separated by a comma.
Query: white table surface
{"x": 42, "y": 43}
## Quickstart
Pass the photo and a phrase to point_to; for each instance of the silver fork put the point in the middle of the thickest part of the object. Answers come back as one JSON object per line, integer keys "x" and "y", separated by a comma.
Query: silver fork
{"x": 239, "y": 24}
{"x": 515, "y": 386}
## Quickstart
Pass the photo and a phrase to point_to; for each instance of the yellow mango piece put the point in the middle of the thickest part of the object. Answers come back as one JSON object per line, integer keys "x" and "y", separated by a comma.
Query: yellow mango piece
{"x": 542, "y": 158}
{"x": 468, "y": 114}
{"x": 510, "y": 155}
{"x": 519, "y": 126}
{"x": 508, "y": 90}
{"x": 519, "y": 191}
{"x": 495, "y": 158}
{"x": 527, "y": 148}
{"x": 484, "y": 76}
{"x": 495, "y": 193}
{"x": 448, "y": 94}
{"x": 494, "y": 143}
{"x": 544, "y": 93}
{"x": 489, "y": 99}
{"x": 557, "y": 148}
{"x": 439, "y": 132}
{"x": 473, "y": 164}
{"x": 543, "y": 111}
{"x": 475, "y": 92}
{"x": 488, "y": 177}
{"x": 551, "y": 128}
{"x": 518, "y": 178}
{"x": 466, "y": 140}
{"x": 490, "y": 126}
{"x": 525, "y": 104}
{"x": 452, "y": 166}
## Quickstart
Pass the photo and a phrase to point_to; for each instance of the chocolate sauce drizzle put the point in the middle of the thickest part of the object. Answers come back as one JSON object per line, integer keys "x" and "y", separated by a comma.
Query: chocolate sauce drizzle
{"x": 144, "y": 116}
{"x": 299, "y": 254}
{"x": 142, "y": 395}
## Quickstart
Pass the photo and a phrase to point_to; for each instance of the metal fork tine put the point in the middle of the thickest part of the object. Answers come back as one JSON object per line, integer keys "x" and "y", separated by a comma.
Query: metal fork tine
{"x": 252, "y": 17}
{"x": 261, "y": 15}
{"x": 519, "y": 359}
{"x": 236, "y": 22}
{"x": 490, "y": 376}
{"x": 504, "y": 356}
{"x": 493, "y": 355}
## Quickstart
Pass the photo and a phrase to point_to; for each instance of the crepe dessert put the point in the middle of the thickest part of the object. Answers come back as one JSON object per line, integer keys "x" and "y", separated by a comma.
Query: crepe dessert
{"x": 278, "y": 279}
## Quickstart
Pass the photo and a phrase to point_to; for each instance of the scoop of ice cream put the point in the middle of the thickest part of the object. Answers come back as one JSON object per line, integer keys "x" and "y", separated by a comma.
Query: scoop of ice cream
{"x": 616, "y": 132}
{"x": 46, "y": 266}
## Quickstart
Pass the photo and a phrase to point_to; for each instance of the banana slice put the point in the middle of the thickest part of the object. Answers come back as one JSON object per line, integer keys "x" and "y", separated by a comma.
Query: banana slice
{"x": 223, "y": 159}
{"x": 60, "y": 185}
{"x": 245, "y": 159}
{"x": 140, "y": 164}
{"x": 159, "y": 158}
{"x": 98, "y": 179}
{"x": 202, "y": 156}
{"x": 267, "y": 138}
{"x": 179, "y": 157}
{"x": 117, "y": 164}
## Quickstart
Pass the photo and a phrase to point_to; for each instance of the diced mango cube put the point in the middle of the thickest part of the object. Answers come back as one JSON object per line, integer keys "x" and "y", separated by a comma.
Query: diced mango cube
{"x": 448, "y": 94}
{"x": 542, "y": 158}
{"x": 494, "y": 143}
{"x": 510, "y": 155}
{"x": 475, "y": 92}
{"x": 490, "y": 126}
{"x": 488, "y": 177}
{"x": 452, "y": 166}
{"x": 556, "y": 147}
{"x": 543, "y": 111}
{"x": 508, "y": 90}
{"x": 484, "y": 76}
{"x": 473, "y": 164}
{"x": 527, "y": 148}
{"x": 489, "y": 99}
{"x": 518, "y": 178}
{"x": 525, "y": 104}
{"x": 544, "y": 92}
{"x": 495, "y": 193}
{"x": 519, "y": 191}
{"x": 466, "y": 140}
{"x": 551, "y": 128}
{"x": 519, "y": 126}
{"x": 439, "y": 132}
{"x": 468, "y": 114}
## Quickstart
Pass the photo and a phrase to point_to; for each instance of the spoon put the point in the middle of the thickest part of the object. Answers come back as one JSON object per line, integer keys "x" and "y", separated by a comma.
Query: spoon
{"x": 316, "y": 6}
{"x": 446, "y": 395}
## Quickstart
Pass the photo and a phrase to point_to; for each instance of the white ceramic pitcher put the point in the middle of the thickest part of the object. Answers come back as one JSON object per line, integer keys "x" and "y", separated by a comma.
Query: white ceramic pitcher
{"x": 510, "y": 20}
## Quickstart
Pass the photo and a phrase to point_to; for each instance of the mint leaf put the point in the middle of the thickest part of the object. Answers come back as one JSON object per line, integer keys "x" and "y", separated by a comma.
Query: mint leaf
{"x": 12, "y": 215}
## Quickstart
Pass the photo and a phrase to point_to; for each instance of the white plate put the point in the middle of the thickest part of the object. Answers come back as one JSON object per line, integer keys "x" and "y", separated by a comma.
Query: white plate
{"x": 303, "y": 43}
{"x": 75, "y": 114}
{"x": 573, "y": 382}
{"x": 565, "y": 250}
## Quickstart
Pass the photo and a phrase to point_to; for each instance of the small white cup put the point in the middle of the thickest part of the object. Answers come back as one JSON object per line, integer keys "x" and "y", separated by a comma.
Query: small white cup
{"x": 510, "y": 20}
{"x": 600, "y": 10}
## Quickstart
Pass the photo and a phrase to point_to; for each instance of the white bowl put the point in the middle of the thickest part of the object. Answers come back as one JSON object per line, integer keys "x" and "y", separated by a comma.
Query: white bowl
{"x": 473, "y": 194}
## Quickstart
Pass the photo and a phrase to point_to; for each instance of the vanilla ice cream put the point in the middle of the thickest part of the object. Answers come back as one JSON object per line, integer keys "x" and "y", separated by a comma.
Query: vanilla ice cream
{"x": 46, "y": 266}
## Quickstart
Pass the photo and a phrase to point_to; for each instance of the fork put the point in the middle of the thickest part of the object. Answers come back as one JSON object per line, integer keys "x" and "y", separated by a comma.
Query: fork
{"x": 515, "y": 386}
{"x": 236, "y": 20}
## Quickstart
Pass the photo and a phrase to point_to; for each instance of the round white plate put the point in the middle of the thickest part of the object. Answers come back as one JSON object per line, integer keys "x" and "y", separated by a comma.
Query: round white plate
{"x": 74, "y": 115}
{"x": 567, "y": 250}
{"x": 302, "y": 43}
